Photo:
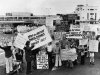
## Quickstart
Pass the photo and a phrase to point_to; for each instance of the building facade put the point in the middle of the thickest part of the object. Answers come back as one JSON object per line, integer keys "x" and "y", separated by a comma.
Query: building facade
{"x": 87, "y": 13}
{"x": 12, "y": 20}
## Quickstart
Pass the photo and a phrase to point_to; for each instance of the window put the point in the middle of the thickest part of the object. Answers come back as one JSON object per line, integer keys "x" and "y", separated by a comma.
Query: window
{"x": 91, "y": 9}
{"x": 25, "y": 17}
{"x": 91, "y": 13}
{"x": 91, "y": 18}
{"x": 77, "y": 22}
{"x": 19, "y": 17}
{"x": 91, "y": 22}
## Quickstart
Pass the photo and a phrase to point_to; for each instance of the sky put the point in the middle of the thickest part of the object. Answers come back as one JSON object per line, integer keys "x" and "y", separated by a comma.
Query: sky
{"x": 42, "y": 7}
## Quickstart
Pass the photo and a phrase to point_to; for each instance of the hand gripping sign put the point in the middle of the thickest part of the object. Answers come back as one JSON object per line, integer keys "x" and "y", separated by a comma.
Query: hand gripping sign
{"x": 38, "y": 37}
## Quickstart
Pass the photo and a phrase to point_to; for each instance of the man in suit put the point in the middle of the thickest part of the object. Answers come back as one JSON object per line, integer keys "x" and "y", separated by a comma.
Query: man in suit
{"x": 28, "y": 56}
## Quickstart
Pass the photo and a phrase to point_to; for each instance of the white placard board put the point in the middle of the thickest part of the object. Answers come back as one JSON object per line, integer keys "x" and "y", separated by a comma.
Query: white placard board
{"x": 20, "y": 41}
{"x": 83, "y": 41}
{"x": 75, "y": 28}
{"x": 42, "y": 61}
{"x": 68, "y": 54}
{"x": 76, "y": 36}
{"x": 38, "y": 37}
{"x": 93, "y": 45}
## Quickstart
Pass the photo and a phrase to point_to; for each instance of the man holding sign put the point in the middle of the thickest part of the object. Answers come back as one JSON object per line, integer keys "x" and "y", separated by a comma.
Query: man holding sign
{"x": 28, "y": 56}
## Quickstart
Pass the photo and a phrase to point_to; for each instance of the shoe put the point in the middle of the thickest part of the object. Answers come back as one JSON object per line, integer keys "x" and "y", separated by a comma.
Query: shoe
{"x": 54, "y": 68}
{"x": 93, "y": 64}
{"x": 90, "y": 62}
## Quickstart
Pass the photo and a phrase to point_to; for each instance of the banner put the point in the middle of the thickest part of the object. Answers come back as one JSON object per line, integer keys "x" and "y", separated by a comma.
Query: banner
{"x": 93, "y": 45}
{"x": 42, "y": 61}
{"x": 38, "y": 37}
{"x": 20, "y": 41}
{"x": 75, "y": 36}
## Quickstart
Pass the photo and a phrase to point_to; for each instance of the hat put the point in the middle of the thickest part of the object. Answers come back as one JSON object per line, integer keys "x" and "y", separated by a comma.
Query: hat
{"x": 57, "y": 43}
{"x": 28, "y": 42}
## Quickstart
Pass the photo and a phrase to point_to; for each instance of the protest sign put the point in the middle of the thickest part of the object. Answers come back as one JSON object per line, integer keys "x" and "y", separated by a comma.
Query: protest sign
{"x": 68, "y": 54}
{"x": 83, "y": 41}
{"x": 76, "y": 36}
{"x": 42, "y": 61}
{"x": 75, "y": 32}
{"x": 38, "y": 37}
{"x": 20, "y": 41}
{"x": 75, "y": 28}
{"x": 87, "y": 28}
{"x": 91, "y": 27}
{"x": 93, "y": 45}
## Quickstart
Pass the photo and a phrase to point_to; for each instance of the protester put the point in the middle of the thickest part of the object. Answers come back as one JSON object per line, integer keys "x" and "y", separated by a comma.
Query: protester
{"x": 19, "y": 55}
{"x": 74, "y": 57}
{"x": 92, "y": 58}
{"x": 17, "y": 60}
{"x": 8, "y": 57}
{"x": 49, "y": 51}
{"x": 82, "y": 57}
{"x": 28, "y": 56}
{"x": 58, "y": 56}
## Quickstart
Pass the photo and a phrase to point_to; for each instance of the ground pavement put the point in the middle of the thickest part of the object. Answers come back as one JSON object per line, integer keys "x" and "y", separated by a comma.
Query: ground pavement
{"x": 86, "y": 69}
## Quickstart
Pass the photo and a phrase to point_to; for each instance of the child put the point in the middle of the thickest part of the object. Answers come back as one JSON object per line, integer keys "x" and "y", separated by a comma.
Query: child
{"x": 92, "y": 58}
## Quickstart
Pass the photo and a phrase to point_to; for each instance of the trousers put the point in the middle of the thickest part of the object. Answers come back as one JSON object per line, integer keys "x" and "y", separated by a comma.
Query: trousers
{"x": 9, "y": 66}
{"x": 91, "y": 59}
{"x": 28, "y": 70}
{"x": 58, "y": 60}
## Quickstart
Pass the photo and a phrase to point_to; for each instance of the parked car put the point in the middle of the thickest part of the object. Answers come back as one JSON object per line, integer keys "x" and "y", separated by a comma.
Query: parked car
{"x": 8, "y": 31}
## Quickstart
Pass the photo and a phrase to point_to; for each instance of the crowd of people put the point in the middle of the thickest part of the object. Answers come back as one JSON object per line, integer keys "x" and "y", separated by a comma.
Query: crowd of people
{"x": 14, "y": 56}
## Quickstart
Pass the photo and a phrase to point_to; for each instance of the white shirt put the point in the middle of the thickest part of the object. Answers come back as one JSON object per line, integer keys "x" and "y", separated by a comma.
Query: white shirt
{"x": 49, "y": 48}
{"x": 91, "y": 54}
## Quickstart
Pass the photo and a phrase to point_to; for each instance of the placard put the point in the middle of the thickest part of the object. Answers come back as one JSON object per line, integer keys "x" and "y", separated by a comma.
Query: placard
{"x": 38, "y": 37}
{"x": 93, "y": 45}
{"x": 42, "y": 61}
{"x": 68, "y": 54}
{"x": 75, "y": 28}
{"x": 76, "y": 36}
{"x": 83, "y": 41}
{"x": 20, "y": 41}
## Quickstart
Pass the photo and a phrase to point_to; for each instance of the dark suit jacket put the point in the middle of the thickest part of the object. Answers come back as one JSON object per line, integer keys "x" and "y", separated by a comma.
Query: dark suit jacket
{"x": 28, "y": 53}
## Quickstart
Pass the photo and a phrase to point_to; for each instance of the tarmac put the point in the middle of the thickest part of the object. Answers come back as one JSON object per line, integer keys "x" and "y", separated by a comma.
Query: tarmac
{"x": 86, "y": 69}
